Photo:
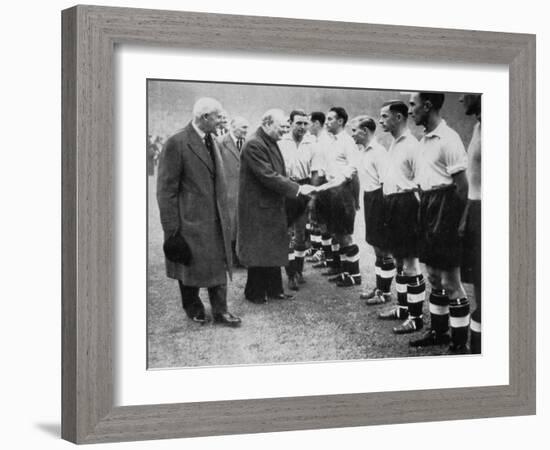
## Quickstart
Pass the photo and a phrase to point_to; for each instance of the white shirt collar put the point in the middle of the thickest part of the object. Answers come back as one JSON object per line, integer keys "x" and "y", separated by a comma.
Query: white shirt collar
{"x": 406, "y": 134}
{"x": 373, "y": 143}
{"x": 340, "y": 133}
{"x": 438, "y": 131}
{"x": 201, "y": 133}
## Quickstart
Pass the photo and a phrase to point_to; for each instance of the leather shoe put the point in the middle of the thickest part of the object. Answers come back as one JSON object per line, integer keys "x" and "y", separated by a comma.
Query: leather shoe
{"x": 393, "y": 314}
{"x": 282, "y": 296}
{"x": 431, "y": 338}
{"x": 257, "y": 301}
{"x": 379, "y": 299}
{"x": 459, "y": 349}
{"x": 348, "y": 280}
{"x": 293, "y": 283}
{"x": 199, "y": 318}
{"x": 331, "y": 272}
{"x": 300, "y": 278}
{"x": 227, "y": 319}
{"x": 320, "y": 265}
{"x": 336, "y": 278}
{"x": 369, "y": 294}
{"x": 318, "y": 257}
{"x": 409, "y": 326}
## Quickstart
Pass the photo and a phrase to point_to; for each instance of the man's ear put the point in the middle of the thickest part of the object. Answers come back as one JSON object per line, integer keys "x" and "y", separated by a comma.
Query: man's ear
{"x": 428, "y": 105}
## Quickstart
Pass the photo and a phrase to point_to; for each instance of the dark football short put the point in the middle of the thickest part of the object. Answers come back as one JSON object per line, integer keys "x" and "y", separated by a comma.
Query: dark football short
{"x": 401, "y": 221}
{"x": 375, "y": 226}
{"x": 440, "y": 214}
{"x": 470, "y": 232}
{"x": 336, "y": 207}
{"x": 296, "y": 207}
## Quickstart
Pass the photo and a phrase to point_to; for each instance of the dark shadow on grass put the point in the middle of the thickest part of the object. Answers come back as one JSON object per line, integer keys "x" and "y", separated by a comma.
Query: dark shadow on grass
{"x": 53, "y": 429}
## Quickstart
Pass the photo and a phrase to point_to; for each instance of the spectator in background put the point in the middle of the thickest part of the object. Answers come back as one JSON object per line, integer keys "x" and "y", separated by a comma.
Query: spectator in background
{"x": 231, "y": 145}
{"x": 152, "y": 155}
{"x": 223, "y": 126}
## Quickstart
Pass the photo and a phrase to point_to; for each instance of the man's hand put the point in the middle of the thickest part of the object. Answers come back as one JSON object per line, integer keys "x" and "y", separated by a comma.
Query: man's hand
{"x": 461, "y": 183}
{"x": 307, "y": 189}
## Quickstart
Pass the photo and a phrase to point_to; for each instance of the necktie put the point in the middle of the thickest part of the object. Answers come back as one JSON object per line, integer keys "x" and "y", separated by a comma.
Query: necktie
{"x": 240, "y": 143}
{"x": 210, "y": 147}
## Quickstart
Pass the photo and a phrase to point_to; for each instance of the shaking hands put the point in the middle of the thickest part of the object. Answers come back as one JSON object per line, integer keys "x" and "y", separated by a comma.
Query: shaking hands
{"x": 307, "y": 189}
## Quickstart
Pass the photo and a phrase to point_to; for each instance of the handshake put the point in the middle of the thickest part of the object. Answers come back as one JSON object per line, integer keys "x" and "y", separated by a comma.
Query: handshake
{"x": 308, "y": 189}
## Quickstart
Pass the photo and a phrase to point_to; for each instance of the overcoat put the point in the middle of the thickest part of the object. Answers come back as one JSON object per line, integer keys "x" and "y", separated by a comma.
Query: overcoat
{"x": 191, "y": 194}
{"x": 232, "y": 166}
{"x": 262, "y": 238}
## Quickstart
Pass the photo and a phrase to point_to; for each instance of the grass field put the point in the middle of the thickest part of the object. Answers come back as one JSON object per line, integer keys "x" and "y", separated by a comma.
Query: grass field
{"x": 323, "y": 322}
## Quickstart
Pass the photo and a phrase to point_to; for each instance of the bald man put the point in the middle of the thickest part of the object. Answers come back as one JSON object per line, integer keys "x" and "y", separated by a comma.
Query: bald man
{"x": 262, "y": 237}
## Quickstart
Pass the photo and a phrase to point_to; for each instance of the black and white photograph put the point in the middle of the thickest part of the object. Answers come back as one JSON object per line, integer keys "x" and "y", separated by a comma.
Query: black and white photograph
{"x": 292, "y": 224}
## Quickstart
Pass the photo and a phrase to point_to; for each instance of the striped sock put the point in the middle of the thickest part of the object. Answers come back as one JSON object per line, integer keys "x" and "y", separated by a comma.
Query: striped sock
{"x": 439, "y": 311}
{"x": 326, "y": 242}
{"x": 377, "y": 271}
{"x": 336, "y": 260}
{"x": 387, "y": 272}
{"x": 299, "y": 254}
{"x": 316, "y": 240}
{"x": 401, "y": 287}
{"x": 459, "y": 314}
{"x": 290, "y": 268}
{"x": 475, "y": 331}
{"x": 416, "y": 294}
{"x": 308, "y": 230}
{"x": 351, "y": 255}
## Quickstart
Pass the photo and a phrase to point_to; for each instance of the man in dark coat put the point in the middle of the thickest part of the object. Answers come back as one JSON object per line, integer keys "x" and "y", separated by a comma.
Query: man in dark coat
{"x": 231, "y": 145}
{"x": 191, "y": 193}
{"x": 262, "y": 238}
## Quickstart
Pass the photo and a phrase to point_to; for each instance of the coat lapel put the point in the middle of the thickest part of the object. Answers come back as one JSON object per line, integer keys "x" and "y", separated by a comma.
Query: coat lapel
{"x": 275, "y": 153}
{"x": 198, "y": 147}
{"x": 221, "y": 197}
{"x": 231, "y": 147}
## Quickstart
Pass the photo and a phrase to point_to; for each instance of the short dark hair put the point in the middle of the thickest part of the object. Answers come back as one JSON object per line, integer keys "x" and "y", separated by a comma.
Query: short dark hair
{"x": 340, "y": 113}
{"x": 296, "y": 112}
{"x": 435, "y": 98}
{"x": 397, "y": 106}
{"x": 318, "y": 116}
{"x": 366, "y": 122}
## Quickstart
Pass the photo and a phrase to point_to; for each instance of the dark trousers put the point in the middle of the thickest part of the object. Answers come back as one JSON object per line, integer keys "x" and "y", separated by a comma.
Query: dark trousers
{"x": 193, "y": 305}
{"x": 262, "y": 282}
{"x": 236, "y": 261}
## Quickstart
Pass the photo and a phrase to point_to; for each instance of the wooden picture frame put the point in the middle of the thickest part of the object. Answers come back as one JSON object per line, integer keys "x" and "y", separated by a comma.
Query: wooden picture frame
{"x": 90, "y": 34}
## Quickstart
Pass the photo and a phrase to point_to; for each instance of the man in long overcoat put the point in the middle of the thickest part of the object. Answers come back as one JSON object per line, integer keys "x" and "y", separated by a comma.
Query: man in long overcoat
{"x": 231, "y": 145}
{"x": 262, "y": 239}
{"x": 191, "y": 193}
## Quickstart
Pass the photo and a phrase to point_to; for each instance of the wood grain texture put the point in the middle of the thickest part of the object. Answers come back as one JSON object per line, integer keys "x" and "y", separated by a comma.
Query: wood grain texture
{"x": 89, "y": 36}
{"x": 68, "y": 224}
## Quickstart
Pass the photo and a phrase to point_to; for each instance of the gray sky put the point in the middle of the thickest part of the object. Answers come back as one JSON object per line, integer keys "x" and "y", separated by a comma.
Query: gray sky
{"x": 170, "y": 104}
